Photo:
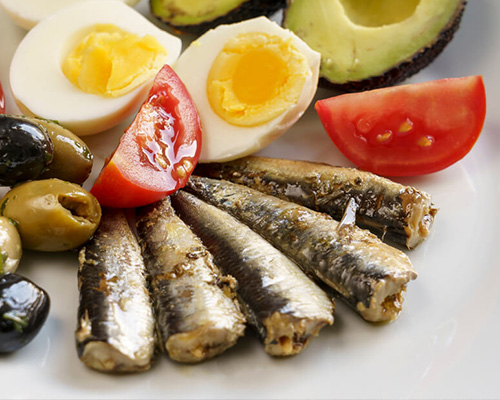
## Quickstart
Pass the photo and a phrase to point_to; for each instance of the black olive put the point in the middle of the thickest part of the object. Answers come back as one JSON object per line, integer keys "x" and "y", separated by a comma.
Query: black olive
{"x": 24, "y": 307}
{"x": 25, "y": 150}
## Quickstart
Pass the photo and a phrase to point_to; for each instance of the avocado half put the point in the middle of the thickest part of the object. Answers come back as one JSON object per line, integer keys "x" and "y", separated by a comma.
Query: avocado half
{"x": 368, "y": 44}
{"x": 198, "y": 16}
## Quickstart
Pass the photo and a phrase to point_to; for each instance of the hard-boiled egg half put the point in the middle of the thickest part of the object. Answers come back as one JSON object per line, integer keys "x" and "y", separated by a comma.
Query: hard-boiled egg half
{"x": 28, "y": 13}
{"x": 89, "y": 65}
{"x": 250, "y": 81}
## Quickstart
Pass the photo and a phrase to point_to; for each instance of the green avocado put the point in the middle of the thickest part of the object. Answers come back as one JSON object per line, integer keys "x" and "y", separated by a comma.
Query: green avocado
{"x": 367, "y": 44}
{"x": 198, "y": 16}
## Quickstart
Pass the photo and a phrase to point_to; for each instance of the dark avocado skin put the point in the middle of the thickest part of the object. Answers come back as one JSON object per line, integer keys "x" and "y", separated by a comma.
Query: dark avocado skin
{"x": 247, "y": 9}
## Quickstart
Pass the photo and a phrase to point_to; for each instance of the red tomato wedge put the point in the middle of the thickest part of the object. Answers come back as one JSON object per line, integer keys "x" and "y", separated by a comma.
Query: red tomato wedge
{"x": 2, "y": 101}
{"x": 407, "y": 130}
{"x": 158, "y": 151}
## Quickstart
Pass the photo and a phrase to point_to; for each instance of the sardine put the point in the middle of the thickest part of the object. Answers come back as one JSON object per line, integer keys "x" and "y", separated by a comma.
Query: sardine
{"x": 116, "y": 330}
{"x": 397, "y": 213}
{"x": 368, "y": 274}
{"x": 196, "y": 311}
{"x": 285, "y": 307}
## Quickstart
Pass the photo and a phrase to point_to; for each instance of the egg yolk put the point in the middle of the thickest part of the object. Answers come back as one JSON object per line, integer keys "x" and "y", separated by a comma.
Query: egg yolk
{"x": 111, "y": 62}
{"x": 255, "y": 78}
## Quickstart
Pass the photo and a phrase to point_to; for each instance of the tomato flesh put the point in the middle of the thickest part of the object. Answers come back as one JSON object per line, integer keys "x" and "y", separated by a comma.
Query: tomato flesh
{"x": 158, "y": 151}
{"x": 407, "y": 130}
{"x": 2, "y": 101}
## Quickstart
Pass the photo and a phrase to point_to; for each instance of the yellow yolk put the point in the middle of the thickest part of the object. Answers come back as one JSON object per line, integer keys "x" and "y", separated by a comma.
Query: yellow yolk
{"x": 255, "y": 78}
{"x": 112, "y": 62}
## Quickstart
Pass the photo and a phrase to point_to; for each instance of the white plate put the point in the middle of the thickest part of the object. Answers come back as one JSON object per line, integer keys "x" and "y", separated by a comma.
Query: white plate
{"x": 445, "y": 343}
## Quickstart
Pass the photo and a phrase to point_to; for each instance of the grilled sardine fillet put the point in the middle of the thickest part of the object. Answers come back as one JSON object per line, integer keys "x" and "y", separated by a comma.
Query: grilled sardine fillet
{"x": 116, "y": 329}
{"x": 397, "y": 213}
{"x": 284, "y": 306}
{"x": 369, "y": 274}
{"x": 196, "y": 309}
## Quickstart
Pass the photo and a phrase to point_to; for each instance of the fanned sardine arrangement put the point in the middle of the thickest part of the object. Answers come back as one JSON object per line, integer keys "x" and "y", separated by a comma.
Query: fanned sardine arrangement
{"x": 285, "y": 307}
{"x": 262, "y": 241}
{"x": 196, "y": 313}
{"x": 368, "y": 274}
{"x": 116, "y": 326}
{"x": 398, "y": 213}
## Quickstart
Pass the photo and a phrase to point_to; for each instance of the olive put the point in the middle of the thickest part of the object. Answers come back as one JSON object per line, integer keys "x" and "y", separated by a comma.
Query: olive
{"x": 10, "y": 246}
{"x": 51, "y": 214}
{"x": 25, "y": 150}
{"x": 24, "y": 308}
{"x": 72, "y": 158}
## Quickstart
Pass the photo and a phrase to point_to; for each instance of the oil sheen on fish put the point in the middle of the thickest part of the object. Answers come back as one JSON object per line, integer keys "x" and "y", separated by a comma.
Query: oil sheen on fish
{"x": 285, "y": 307}
{"x": 369, "y": 274}
{"x": 116, "y": 330}
{"x": 397, "y": 213}
{"x": 196, "y": 311}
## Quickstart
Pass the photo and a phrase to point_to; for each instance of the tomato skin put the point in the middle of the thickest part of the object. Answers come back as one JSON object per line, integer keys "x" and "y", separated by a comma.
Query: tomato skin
{"x": 2, "y": 101}
{"x": 158, "y": 151}
{"x": 407, "y": 130}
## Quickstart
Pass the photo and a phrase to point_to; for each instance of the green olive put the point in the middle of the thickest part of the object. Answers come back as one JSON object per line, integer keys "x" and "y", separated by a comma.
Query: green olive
{"x": 10, "y": 246}
{"x": 51, "y": 214}
{"x": 72, "y": 159}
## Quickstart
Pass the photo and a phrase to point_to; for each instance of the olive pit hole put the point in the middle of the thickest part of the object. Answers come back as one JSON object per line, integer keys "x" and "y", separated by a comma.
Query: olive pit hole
{"x": 78, "y": 209}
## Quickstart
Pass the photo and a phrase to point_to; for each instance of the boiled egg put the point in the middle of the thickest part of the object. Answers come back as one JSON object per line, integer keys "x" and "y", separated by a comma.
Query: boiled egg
{"x": 250, "y": 82}
{"x": 89, "y": 65}
{"x": 28, "y": 13}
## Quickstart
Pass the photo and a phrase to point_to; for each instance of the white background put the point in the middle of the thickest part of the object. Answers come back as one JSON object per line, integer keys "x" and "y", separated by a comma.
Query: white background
{"x": 445, "y": 343}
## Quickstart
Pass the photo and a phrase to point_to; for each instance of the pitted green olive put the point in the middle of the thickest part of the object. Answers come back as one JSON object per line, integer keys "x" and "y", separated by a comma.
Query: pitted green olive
{"x": 72, "y": 159}
{"x": 51, "y": 214}
{"x": 10, "y": 246}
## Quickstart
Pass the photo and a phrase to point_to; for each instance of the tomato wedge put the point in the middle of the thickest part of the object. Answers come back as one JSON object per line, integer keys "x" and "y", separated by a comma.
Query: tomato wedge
{"x": 407, "y": 130}
{"x": 2, "y": 101}
{"x": 158, "y": 151}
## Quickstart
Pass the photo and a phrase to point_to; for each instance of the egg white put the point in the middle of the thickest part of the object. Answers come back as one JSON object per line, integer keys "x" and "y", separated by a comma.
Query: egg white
{"x": 28, "y": 13}
{"x": 39, "y": 86}
{"x": 223, "y": 141}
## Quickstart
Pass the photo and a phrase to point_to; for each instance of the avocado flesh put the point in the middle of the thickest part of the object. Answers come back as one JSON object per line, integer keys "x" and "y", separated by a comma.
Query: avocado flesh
{"x": 197, "y": 16}
{"x": 367, "y": 44}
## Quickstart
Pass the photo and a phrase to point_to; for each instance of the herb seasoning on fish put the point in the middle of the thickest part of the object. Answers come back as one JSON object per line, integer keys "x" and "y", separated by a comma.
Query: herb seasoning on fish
{"x": 115, "y": 318}
{"x": 397, "y": 213}
{"x": 369, "y": 274}
{"x": 196, "y": 311}
{"x": 285, "y": 307}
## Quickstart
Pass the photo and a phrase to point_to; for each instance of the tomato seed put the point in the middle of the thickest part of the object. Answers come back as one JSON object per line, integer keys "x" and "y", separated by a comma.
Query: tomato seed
{"x": 161, "y": 161}
{"x": 384, "y": 137}
{"x": 181, "y": 172}
{"x": 425, "y": 141}
{"x": 406, "y": 126}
